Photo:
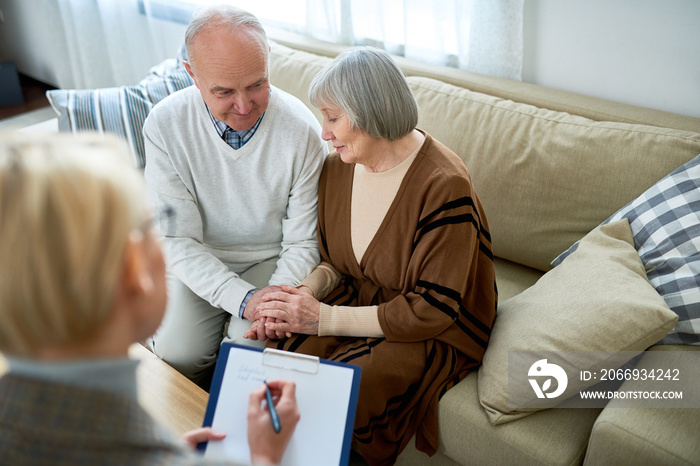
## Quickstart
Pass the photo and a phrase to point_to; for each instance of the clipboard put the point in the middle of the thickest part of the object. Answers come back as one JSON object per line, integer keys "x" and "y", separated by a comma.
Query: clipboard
{"x": 326, "y": 393}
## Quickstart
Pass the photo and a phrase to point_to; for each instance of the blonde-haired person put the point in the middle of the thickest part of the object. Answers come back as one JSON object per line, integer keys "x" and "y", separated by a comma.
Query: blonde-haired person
{"x": 82, "y": 278}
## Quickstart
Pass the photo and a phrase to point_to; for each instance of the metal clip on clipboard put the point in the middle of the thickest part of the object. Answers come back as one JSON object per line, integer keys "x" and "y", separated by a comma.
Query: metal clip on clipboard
{"x": 290, "y": 361}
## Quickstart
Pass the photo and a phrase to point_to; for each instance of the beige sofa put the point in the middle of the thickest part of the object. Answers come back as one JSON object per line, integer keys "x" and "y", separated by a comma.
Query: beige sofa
{"x": 549, "y": 167}
{"x": 547, "y": 174}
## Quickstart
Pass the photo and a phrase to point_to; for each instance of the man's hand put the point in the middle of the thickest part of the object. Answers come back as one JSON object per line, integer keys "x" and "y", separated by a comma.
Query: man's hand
{"x": 250, "y": 312}
{"x": 259, "y": 331}
{"x": 266, "y": 445}
{"x": 296, "y": 310}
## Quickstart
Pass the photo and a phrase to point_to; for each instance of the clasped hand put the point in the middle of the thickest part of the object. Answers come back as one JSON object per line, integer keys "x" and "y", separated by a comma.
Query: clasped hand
{"x": 283, "y": 312}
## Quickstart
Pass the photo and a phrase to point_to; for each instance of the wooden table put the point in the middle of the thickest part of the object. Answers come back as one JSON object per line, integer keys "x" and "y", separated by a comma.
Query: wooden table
{"x": 170, "y": 397}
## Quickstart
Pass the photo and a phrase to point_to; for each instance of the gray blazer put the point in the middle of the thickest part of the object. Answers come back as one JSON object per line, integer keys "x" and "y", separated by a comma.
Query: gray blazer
{"x": 44, "y": 423}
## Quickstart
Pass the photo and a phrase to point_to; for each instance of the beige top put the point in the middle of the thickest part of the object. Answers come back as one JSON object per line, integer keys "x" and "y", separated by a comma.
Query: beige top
{"x": 372, "y": 195}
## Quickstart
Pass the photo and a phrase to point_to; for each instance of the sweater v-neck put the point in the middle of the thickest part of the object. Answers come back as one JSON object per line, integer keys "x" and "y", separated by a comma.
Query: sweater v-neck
{"x": 389, "y": 214}
{"x": 260, "y": 134}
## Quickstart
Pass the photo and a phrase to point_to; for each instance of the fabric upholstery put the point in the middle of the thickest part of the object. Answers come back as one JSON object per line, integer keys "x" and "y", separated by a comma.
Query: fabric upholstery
{"x": 119, "y": 110}
{"x": 666, "y": 229}
{"x": 623, "y": 435}
{"x": 544, "y": 176}
{"x": 512, "y": 279}
{"x": 598, "y": 299}
{"x": 555, "y": 436}
{"x": 293, "y": 70}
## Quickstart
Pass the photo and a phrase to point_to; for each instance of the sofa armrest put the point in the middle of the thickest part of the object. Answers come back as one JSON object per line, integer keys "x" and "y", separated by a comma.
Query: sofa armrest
{"x": 634, "y": 436}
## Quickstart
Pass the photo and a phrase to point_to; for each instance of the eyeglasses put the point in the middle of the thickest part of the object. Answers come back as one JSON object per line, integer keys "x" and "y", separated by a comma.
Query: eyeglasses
{"x": 159, "y": 223}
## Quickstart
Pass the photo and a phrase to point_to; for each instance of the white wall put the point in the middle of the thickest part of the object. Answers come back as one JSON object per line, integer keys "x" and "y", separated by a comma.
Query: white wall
{"x": 640, "y": 52}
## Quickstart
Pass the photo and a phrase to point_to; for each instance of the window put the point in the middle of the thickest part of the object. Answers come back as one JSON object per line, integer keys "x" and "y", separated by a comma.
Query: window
{"x": 479, "y": 35}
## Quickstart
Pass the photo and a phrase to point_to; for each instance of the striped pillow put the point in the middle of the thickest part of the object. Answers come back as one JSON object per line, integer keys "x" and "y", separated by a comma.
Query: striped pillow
{"x": 119, "y": 110}
{"x": 665, "y": 223}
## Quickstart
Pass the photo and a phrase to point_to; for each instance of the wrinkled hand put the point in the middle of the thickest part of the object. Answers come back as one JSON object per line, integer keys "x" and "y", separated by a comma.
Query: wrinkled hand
{"x": 258, "y": 331}
{"x": 250, "y": 312}
{"x": 296, "y": 311}
{"x": 203, "y": 434}
{"x": 266, "y": 445}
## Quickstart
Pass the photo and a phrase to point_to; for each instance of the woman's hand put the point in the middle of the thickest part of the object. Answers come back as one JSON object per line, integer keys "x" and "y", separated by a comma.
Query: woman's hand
{"x": 259, "y": 331}
{"x": 296, "y": 310}
{"x": 203, "y": 434}
{"x": 266, "y": 445}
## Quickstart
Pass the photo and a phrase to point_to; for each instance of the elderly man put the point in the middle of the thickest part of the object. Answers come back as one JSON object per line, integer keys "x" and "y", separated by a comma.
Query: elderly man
{"x": 237, "y": 161}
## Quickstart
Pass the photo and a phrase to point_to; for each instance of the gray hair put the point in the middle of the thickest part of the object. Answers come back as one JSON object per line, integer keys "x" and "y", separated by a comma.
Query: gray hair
{"x": 218, "y": 15}
{"x": 366, "y": 84}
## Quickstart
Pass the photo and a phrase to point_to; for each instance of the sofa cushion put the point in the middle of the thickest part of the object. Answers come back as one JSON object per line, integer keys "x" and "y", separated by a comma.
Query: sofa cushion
{"x": 632, "y": 435}
{"x": 119, "y": 110}
{"x": 551, "y": 437}
{"x": 598, "y": 301}
{"x": 546, "y": 178}
{"x": 666, "y": 229}
{"x": 293, "y": 70}
{"x": 512, "y": 279}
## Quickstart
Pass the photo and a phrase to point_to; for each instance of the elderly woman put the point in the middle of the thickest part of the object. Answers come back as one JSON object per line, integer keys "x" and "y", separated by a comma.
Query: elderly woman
{"x": 406, "y": 288}
{"x": 82, "y": 277}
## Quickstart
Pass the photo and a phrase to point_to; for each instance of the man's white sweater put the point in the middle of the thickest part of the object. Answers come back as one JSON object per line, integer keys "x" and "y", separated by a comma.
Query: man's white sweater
{"x": 234, "y": 208}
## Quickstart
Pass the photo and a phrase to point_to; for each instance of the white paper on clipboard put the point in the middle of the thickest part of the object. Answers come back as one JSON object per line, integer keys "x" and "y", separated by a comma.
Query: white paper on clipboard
{"x": 326, "y": 393}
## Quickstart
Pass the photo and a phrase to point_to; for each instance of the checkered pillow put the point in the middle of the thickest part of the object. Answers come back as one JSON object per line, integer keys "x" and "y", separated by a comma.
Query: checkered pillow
{"x": 665, "y": 223}
{"x": 119, "y": 110}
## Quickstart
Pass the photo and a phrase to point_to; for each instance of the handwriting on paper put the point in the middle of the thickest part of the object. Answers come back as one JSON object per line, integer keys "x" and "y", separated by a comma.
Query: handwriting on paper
{"x": 250, "y": 373}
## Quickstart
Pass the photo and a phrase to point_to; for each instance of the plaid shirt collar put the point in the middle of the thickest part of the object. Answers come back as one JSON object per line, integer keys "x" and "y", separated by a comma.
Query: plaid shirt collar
{"x": 235, "y": 139}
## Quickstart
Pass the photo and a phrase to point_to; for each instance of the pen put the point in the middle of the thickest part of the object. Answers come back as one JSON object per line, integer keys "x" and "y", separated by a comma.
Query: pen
{"x": 273, "y": 412}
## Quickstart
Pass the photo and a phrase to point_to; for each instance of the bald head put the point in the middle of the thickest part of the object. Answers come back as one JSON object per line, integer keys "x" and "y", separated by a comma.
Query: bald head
{"x": 227, "y": 57}
{"x": 223, "y": 19}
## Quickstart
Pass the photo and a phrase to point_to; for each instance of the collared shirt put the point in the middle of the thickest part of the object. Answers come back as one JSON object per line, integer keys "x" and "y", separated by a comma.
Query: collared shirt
{"x": 115, "y": 375}
{"x": 235, "y": 139}
{"x": 245, "y": 302}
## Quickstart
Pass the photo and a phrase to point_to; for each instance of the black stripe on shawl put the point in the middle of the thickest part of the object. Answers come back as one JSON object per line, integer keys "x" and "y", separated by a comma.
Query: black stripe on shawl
{"x": 454, "y": 360}
{"x": 451, "y": 376}
{"x": 466, "y": 201}
{"x": 358, "y": 351}
{"x": 401, "y": 399}
{"x": 455, "y": 220}
{"x": 439, "y": 305}
{"x": 457, "y": 298}
{"x": 351, "y": 298}
{"x": 346, "y": 288}
{"x": 454, "y": 315}
{"x": 298, "y": 341}
{"x": 324, "y": 243}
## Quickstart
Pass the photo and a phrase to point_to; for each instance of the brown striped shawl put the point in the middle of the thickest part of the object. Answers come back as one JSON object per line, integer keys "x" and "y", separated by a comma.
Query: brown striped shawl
{"x": 430, "y": 270}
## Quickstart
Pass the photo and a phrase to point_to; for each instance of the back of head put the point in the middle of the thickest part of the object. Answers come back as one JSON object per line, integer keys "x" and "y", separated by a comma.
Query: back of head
{"x": 366, "y": 84}
{"x": 67, "y": 206}
{"x": 221, "y": 15}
